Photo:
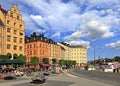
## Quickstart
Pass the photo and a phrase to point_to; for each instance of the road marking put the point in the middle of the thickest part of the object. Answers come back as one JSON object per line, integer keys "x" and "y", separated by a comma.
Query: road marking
{"x": 71, "y": 75}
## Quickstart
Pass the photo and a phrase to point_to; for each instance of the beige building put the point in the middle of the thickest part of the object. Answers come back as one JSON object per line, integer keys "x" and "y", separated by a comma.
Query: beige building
{"x": 66, "y": 50}
{"x": 77, "y": 53}
{"x": 2, "y": 24}
{"x": 13, "y": 33}
{"x": 54, "y": 51}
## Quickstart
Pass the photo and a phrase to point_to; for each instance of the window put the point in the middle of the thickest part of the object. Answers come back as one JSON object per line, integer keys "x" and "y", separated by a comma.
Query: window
{"x": 8, "y": 21}
{"x": 8, "y": 38}
{"x": 20, "y": 48}
{"x": 34, "y": 45}
{"x": 14, "y": 23}
{"x": 27, "y": 46}
{"x": 11, "y": 14}
{"x": 34, "y": 38}
{"x": 20, "y": 26}
{"x": 15, "y": 47}
{"x": 21, "y": 33}
{"x": 41, "y": 38}
{"x": 14, "y": 10}
{"x": 34, "y": 52}
{"x": 15, "y": 31}
{"x": 15, "y": 39}
{"x": 20, "y": 40}
{"x": 30, "y": 52}
{"x": 8, "y": 46}
{"x": 30, "y": 46}
{"x": 18, "y": 17}
{"x": 8, "y": 30}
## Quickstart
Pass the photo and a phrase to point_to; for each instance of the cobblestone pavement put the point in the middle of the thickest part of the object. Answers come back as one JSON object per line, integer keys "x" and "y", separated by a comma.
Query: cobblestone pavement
{"x": 63, "y": 79}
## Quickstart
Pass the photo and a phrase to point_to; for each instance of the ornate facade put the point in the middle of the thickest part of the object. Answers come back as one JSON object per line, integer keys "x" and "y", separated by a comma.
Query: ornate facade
{"x": 12, "y": 32}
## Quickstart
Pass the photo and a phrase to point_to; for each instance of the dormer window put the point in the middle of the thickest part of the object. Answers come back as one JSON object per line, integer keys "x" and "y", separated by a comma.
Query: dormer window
{"x": 41, "y": 38}
{"x": 11, "y": 14}
{"x": 34, "y": 38}
{"x": 18, "y": 17}
{"x": 14, "y": 10}
{"x": 45, "y": 39}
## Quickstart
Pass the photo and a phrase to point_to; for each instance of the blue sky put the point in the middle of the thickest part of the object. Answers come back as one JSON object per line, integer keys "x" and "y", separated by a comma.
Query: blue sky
{"x": 77, "y": 22}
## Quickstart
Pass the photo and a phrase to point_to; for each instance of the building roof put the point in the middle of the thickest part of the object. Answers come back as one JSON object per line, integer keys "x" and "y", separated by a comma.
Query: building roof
{"x": 3, "y": 10}
{"x": 34, "y": 37}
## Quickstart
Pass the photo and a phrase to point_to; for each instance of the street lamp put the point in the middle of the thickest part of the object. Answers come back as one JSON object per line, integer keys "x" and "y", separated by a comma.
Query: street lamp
{"x": 94, "y": 54}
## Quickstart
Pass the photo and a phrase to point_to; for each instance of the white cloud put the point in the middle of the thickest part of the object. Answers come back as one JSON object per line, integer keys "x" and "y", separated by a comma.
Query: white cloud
{"x": 80, "y": 43}
{"x": 92, "y": 19}
{"x": 57, "y": 34}
{"x": 115, "y": 45}
{"x": 91, "y": 30}
{"x": 29, "y": 25}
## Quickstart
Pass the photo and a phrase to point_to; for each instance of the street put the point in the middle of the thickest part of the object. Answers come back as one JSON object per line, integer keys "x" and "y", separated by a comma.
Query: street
{"x": 66, "y": 79}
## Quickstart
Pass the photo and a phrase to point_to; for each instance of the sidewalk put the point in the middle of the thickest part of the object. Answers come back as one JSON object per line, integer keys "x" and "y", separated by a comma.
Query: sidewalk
{"x": 63, "y": 79}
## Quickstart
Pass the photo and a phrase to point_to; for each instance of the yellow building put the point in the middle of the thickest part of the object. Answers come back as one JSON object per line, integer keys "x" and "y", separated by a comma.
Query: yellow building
{"x": 75, "y": 53}
{"x": 65, "y": 52}
{"x": 79, "y": 54}
{"x": 13, "y": 33}
{"x": 2, "y": 24}
{"x": 53, "y": 50}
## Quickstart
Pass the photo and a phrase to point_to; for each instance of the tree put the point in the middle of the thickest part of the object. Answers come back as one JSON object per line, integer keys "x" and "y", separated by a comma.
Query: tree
{"x": 117, "y": 58}
{"x": 45, "y": 60}
{"x": 74, "y": 63}
{"x": 22, "y": 58}
{"x": 61, "y": 62}
{"x": 34, "y": 60}
{"x": 66, "y": 62}
{"x": 54, "y": 61}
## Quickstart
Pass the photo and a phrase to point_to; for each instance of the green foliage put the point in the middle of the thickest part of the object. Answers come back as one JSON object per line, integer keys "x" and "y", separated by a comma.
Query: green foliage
{"x": 74, "y": 63}
{"x": 66, "y": 62}
{"x": 61, "y": 62}
{"x": 22, "y": 58}
{"x": 34, "y": 60}
{"x": 117, "y": 58}
{"x": 54, "y": 61}
{"x": 45, "y": 60}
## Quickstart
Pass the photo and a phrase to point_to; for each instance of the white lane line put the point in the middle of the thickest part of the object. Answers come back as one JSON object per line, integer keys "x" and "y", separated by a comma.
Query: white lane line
{"x": 71, "y": 75}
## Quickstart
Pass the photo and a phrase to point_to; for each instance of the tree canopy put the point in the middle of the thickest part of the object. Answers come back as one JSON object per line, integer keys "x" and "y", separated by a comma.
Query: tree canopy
{"x": 22, "y": 58}
{"x": 45, "y": 60}
{"x": 34, "y": 60}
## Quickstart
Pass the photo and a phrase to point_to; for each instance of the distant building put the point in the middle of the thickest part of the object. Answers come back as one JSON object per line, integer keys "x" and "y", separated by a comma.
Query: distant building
{"x": 79, "y": 54}
{"x": 11, "y": 32}
{"x": 36, "y": 46}
{"x": 55, "y": 51}
{"x": 66, "y": 50}
{"x": 75, "y": 53}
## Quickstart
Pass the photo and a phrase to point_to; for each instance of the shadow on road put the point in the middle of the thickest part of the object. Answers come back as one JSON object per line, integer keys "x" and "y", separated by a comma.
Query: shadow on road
{"x": 48, "y": 83}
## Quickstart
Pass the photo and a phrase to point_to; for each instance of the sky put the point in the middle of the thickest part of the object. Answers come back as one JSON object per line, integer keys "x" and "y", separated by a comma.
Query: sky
{"x": 94, "y": 24}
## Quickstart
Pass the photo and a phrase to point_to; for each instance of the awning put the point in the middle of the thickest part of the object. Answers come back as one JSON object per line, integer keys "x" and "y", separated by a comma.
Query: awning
{"x": 44, "y": 65}
{"x": 7, "y": 61}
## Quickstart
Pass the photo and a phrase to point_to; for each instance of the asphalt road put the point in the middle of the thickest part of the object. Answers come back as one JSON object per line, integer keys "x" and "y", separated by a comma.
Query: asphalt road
{"x": 105, "y": 77}
{"x": 71, "y": 78}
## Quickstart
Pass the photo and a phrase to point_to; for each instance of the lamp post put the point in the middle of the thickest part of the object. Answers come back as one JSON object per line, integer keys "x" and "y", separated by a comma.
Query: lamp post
{"x": 94, "y": 54}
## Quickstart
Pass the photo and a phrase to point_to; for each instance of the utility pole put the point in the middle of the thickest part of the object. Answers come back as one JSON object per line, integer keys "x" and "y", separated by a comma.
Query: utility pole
{"x": 94, "y": 54}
